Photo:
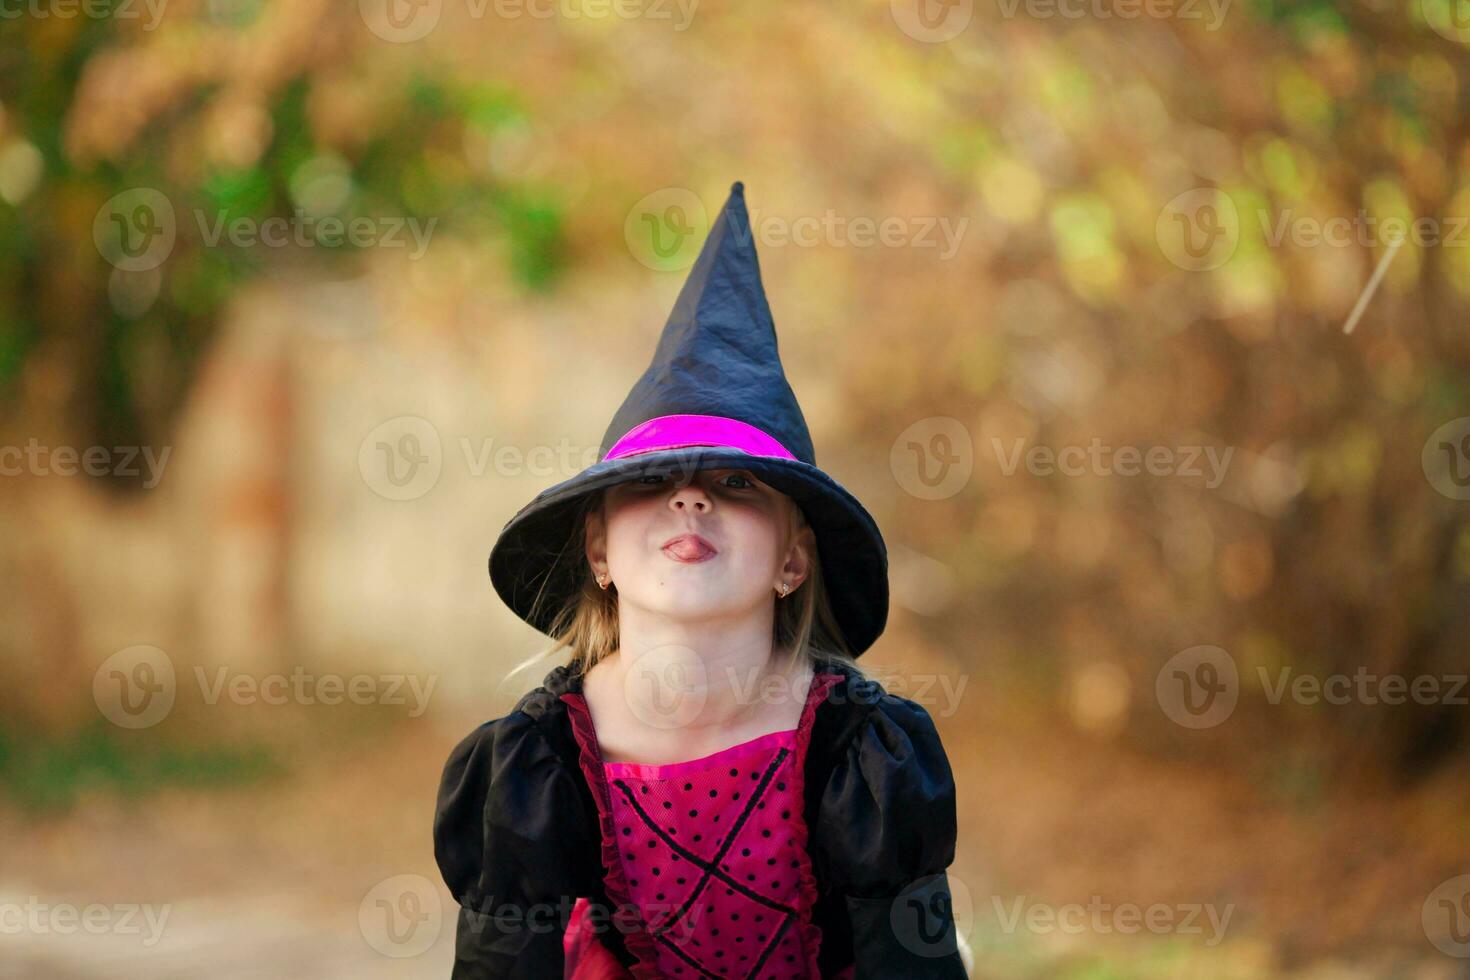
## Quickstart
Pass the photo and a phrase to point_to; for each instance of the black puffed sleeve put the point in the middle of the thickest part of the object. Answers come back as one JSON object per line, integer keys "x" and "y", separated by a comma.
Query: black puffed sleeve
{"x": 508, "y": 829}
{"x": 884, "y": 835}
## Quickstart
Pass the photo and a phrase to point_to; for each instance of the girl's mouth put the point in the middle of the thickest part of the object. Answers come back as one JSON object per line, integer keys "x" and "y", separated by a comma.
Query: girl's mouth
{"x": 689, "y": 548}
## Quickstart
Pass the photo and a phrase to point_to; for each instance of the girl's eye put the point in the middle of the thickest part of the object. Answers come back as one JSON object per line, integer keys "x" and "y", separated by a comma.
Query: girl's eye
{"x": 742, "y": 482}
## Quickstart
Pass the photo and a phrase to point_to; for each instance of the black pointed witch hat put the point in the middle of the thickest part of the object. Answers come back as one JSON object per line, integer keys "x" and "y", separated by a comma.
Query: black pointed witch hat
{"x": 714, "y": 397}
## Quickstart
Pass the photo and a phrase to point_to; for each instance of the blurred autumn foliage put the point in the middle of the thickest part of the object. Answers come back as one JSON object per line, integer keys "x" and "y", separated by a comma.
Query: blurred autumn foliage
{"x": 1069, "y": 315}
{"x": 1061, "y": 320}
{"x": 239, "y": 111}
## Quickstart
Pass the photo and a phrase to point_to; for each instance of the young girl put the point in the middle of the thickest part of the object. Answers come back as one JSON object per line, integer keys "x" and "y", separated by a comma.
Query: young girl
{"x": 710, "y": 787}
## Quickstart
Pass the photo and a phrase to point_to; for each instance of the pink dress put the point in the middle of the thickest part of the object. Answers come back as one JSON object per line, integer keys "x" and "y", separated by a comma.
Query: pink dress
{"x": 707, "y": 858}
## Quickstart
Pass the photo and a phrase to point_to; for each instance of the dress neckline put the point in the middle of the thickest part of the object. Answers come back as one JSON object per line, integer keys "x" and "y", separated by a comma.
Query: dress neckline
{"x": 566, "y": 685}
{"x": 657, "y": 770}
{"x": 666, "y": 770}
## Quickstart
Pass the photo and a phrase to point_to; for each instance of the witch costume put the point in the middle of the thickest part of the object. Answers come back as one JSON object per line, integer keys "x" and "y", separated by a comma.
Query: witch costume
{"x": 815, "y": 852}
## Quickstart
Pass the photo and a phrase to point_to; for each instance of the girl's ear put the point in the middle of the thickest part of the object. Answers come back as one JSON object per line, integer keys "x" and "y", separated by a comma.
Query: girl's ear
{"x": 798, "y": 557}
{"x": 596, "y": 542}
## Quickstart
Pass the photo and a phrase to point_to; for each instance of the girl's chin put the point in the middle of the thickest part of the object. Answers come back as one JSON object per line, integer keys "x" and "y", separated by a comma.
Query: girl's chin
{"x": 678, "y": 600}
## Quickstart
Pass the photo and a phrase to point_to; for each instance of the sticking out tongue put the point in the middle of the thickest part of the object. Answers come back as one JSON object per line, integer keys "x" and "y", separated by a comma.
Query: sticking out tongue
{"x": 686, "y": 550}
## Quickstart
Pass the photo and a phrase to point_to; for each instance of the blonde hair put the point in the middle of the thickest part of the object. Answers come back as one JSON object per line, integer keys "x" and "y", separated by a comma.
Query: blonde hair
{"x": 587, "y": 623}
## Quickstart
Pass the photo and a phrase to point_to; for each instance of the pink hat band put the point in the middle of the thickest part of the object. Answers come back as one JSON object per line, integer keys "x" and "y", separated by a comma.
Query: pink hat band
{"x": 680, "y": 431}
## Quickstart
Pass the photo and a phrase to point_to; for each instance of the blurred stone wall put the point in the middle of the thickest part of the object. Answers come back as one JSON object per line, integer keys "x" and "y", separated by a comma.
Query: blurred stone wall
{"x": 275, "y": 537}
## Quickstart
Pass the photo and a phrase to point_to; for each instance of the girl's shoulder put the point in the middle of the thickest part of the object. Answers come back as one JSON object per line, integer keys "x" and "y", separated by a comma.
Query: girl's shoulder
{"x": 532, "y": 739}
{"x": 535, "y": 729}
{"x": 511, "y": 814}
{"x": 881, "y": 796}
{"x": 858, "y": 710}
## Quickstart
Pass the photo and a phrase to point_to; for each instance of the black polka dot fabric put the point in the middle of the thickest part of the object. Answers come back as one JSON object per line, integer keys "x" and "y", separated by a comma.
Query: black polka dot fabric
{"x": 713, "y": 854}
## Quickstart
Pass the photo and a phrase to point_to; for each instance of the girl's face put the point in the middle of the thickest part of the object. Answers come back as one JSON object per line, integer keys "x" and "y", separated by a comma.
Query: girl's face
{"x": 718, "y": 545}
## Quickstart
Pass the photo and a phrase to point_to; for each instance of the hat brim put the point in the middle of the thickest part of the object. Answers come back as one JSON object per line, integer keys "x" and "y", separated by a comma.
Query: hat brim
{"x": 535, "y": 577}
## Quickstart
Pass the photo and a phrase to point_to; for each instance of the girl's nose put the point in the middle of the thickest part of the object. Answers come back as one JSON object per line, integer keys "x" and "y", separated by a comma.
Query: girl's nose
{"x": 690, "y": 498}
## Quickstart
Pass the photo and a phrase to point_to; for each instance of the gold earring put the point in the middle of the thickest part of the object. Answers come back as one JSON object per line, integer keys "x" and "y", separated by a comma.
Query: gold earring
{"x": 602, "y": 582}
{"x": 785, "y": 588}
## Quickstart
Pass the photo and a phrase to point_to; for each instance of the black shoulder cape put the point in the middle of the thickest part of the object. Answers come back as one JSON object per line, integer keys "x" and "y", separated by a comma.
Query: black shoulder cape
{"x": 517, "y": 839}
